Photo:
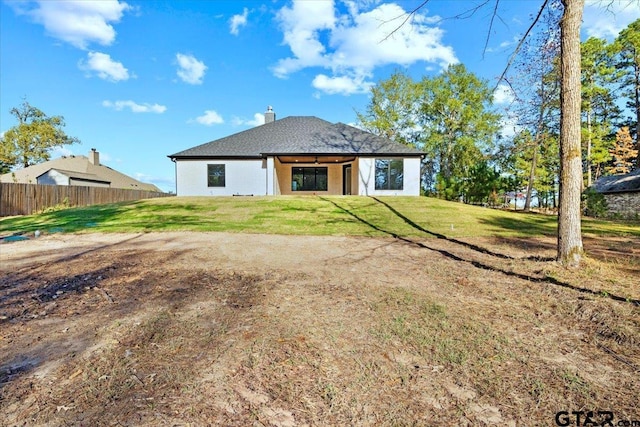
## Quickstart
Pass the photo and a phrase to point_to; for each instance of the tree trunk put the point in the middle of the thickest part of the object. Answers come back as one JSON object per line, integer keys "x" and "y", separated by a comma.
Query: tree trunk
{"x": 532, "y": 176}
{"x": 569, "y": 231}
{"x": 588, "y": 159}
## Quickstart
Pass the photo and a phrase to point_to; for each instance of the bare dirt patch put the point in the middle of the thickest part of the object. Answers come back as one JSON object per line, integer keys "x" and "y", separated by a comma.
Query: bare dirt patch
{"x": 238, "y": 329}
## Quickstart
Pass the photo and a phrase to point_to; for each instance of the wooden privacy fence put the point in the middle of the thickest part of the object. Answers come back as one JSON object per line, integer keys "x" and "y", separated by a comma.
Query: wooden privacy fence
{"x": 25, "y": 199}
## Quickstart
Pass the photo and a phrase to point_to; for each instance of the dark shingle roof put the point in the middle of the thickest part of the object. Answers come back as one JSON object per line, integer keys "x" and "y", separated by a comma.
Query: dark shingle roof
{"x": 298, "y": 135}
{"x": 618, "y": 183}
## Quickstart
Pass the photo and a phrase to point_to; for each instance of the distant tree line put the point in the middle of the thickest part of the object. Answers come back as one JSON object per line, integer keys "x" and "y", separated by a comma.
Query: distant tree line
{"x": 469, "y": 155}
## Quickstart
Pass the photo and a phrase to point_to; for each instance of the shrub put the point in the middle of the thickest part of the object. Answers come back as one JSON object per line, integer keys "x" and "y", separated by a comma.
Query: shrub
{"x": 595, "y": 204}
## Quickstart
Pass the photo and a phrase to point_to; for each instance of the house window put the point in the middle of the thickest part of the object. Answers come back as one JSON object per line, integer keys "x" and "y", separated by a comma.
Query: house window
{"x": 309, "y": 179}
{"x": 389, "y": 174}
{"x": 215, "y": 175}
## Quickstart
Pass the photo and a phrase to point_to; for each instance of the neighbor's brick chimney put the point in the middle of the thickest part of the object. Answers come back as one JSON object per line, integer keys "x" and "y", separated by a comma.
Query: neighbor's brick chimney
{"x": 94, "y": 157}
{"x": 269, "y": 116}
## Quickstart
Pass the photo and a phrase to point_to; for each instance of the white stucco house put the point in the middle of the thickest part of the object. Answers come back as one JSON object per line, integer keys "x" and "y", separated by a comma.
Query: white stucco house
{"x": 298, "y": 155}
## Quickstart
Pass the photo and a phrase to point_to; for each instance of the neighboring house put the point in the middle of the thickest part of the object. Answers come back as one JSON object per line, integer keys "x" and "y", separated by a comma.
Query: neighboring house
{"x": 63, "y": 177}
{"x": 298, "y": 155}
{"x": 76, "y": 170}
{"x": 622, "y": 193}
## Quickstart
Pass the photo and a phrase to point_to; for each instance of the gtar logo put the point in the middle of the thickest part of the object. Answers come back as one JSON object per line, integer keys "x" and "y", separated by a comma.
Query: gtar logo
{"x": 591, "y": 419}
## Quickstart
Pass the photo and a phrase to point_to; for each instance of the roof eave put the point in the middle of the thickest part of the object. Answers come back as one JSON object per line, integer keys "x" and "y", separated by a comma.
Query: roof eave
{"x": 345, "y": 154}
{"x": 263, "y": 155}
{"x": 214, "y": 156}
{"x": 629, "y": 190}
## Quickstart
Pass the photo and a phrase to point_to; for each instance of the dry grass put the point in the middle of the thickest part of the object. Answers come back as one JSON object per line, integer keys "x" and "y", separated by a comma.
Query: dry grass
{"x": 373, "y": 332}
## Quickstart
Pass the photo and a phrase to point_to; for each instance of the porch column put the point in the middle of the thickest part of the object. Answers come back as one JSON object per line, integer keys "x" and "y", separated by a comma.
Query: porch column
{"x": 271, "y": 176}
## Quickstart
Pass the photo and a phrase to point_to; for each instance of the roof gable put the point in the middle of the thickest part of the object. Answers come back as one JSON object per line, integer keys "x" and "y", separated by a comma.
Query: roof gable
{"x": 298, "y": 135}
{"x": 76, "y": 175}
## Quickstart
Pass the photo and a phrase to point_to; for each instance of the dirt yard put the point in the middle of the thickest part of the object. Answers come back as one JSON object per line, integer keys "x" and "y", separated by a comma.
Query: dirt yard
{"x": 238, "y": 329}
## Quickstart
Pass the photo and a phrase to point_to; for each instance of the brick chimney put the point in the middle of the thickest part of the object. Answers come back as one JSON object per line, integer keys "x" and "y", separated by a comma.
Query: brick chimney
{"x": 94, "y": 157}
{"x": 269, "y": 116}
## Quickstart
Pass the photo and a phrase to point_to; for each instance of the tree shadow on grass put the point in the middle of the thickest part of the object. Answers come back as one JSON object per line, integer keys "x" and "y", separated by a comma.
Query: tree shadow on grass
{"x": 459, "y": 242}
{"x": 535, "y": 225}
{"x": 538, "y": 244}
{"x": 482, "y": 265}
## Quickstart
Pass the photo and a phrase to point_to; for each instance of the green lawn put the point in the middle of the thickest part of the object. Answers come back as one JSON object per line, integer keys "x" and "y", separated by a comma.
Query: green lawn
{"x": 335, "y": 215}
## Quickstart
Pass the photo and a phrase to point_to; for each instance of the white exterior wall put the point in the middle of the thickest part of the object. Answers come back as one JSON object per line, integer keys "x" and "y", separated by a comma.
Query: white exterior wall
{"x": 53, "y": 177}
{"x": 367, "y": 172}
{"x": 242, "y": 177}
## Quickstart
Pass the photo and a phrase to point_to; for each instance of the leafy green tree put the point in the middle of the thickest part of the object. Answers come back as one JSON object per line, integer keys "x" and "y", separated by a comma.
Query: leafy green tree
{"x": 4, "y": 168}
{"x": 457, "y": 123}
{"x": 448, "y": 116}
{"x": 525, "y": 151}
{"x": 482, "y": 184}
{"x": 392, "y": 111}
{"x": 30, "y": 141}
{"x": 505, "y": 158}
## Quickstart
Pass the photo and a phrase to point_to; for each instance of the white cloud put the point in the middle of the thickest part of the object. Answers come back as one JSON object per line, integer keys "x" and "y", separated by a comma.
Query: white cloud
{"x": 301, "y": 25}
{"x": 342, "y": 85}
{"x": 354, "y": 43}
{"x": 258, "y": 119}
{"x": 503, "y": 95}
{"x": 509, "y": 126}
{"x": 105, "y": 67}
{"x": 505, "y": 44}
{"x": 135, "y": 107}
{"x": 363, "y": 43}
{"x": 75, "y": 21}
{"x": 605, "y": 19}
{"x": 190, "y": 69}
{"x": 209, "y": 118}
{"x": 238, "y": 21}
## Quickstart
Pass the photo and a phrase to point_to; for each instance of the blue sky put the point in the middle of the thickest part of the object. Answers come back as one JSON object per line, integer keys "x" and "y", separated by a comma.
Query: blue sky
{"x": 139, "y": 80}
